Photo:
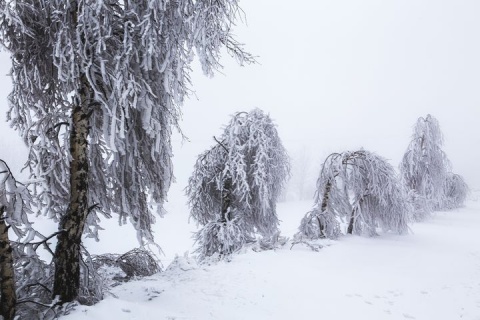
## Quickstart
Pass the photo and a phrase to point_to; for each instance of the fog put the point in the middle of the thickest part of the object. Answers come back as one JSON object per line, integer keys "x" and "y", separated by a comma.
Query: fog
{"x": 340, "y": 75}
{"x": 336, "y": 76}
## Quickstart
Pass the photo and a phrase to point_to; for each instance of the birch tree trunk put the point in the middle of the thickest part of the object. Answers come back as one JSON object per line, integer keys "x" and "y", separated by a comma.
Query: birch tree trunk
{"x": 326, "y": 196}
{"x": 226, "y": 201}
{"x": 352, "y": 221}
{"x": 7, "y": 281}
{"x": 67, "y": 252}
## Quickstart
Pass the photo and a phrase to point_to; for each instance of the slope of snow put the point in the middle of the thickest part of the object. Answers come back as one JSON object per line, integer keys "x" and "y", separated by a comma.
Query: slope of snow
{"x": 432, "y": 273}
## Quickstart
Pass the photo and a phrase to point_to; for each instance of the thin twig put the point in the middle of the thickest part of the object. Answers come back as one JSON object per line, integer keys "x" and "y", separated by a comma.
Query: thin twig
{"x": 220, "y": 143}
{"x": 44, "y": 242}
{"x": 36, "y": 284}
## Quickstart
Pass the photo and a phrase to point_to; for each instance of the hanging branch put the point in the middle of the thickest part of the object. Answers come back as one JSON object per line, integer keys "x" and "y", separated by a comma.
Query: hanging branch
{"x": 221, "y": 144}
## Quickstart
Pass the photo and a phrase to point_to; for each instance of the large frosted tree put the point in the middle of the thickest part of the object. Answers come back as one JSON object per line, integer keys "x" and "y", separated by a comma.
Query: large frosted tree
{"x": 361, "y": 188}
{"x": 424, "y": 167}
{"x": 235, "y": 185}
{"x": 97, "y": 86}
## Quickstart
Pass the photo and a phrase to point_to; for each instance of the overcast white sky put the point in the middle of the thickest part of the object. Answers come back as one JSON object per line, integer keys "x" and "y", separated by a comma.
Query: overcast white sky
{"x": 338, "y": 75}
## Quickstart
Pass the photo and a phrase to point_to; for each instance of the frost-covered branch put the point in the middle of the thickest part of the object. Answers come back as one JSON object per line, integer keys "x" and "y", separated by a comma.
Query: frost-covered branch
{"x": 16, "y": 202}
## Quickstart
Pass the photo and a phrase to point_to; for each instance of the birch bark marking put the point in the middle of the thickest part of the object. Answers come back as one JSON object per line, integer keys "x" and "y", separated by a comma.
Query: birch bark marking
{"x": 326, "y": 196}
{"x": 352, "y": 221}
{"x": 226, "y": 201}
{"x": 7, "y": 281}
{"x": 67, "y": 252}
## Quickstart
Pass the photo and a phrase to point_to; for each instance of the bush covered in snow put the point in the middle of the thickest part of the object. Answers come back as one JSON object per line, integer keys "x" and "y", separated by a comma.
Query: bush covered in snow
{"x": 134, "y": 263}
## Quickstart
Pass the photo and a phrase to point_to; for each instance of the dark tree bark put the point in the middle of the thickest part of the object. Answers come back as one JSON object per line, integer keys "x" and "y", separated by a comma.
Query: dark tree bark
{"x": 226, "y": 200}
{"x": 67, "y": 253}
{"x": 353, "y": 217}
{"x": 7, "y": 281}
{"x": 352, "y": 222}
{"x": 326, "y": 196}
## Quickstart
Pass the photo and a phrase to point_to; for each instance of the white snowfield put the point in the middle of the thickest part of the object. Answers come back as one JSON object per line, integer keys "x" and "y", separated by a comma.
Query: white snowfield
{"x": 431, "y": 274}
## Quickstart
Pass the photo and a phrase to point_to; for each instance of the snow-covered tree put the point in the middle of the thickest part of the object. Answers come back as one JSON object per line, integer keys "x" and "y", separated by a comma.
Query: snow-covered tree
{"x": 424, "y": 166}
{"x": 234, "y": 187}
{"x": 97, "y": 86}
{"x": 360, "y": 187}
{"x": 456, "y": 191}
{"x": 15, "y": 204}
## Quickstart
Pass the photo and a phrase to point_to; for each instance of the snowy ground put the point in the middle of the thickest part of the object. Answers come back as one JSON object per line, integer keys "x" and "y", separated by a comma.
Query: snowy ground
{"x": 432, "y": 273}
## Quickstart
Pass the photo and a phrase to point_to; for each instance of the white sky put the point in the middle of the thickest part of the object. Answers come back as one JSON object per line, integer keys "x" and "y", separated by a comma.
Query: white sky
{"x": 338, "y": 75}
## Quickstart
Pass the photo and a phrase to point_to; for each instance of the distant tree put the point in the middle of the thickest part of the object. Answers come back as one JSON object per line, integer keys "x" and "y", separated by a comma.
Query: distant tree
{"x": 456, "y": 191}
{"x": 361, "y": 188}
{"x": 421, "y": 207}
{"x": 97, "y": 86}
{"x": 234, "y": 187}
{"x": 424, "y": 166}
{"x": 301, "y": 185}
{"x": 14, "y": 206}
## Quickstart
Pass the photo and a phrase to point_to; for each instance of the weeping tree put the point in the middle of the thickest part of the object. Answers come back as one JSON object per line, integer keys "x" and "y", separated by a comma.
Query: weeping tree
{"x": 235, "y": 185}
{"x": 97, "y": 87}
{"x": 15, "y": 204}
{"x": 424, "y": 167}
{"x": 456, "y": 191}
{"x": 360, "y": 188}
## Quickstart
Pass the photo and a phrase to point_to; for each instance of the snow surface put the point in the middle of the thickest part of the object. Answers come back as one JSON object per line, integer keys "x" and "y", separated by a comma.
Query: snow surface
{"x": 432, "y": 273}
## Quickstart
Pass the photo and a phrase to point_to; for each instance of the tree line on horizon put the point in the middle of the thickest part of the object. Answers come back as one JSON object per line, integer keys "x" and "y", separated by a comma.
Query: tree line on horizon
{"x": 357, "y": 192}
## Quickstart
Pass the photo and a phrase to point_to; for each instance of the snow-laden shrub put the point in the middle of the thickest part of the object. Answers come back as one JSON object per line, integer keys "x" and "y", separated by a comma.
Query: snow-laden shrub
{"x": 105, "y": 260}
{"x": 138, "y": 263}
{"x": 134, "y": 263}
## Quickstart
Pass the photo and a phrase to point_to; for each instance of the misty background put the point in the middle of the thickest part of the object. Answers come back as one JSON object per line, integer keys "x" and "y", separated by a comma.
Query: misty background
{"x": 334, "y": 76}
